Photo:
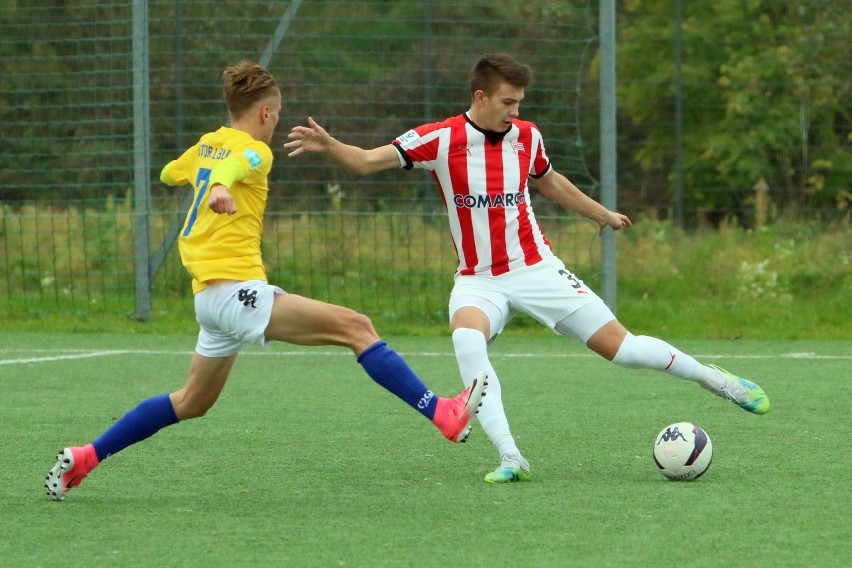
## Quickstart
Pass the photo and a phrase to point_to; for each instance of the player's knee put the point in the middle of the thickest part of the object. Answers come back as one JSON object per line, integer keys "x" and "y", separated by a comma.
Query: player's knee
{"x": 614, "y": 343}
{"x": 469, "y": 342}
{"x": 359, "y": 329}
{"x": 187, "y": 407}
{"x": 200, "y": 410}
{"x": 361, "y": 323}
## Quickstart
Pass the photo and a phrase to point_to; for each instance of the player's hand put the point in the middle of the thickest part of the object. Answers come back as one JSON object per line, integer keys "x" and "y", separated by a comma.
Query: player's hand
{"x": 220, "y": 200}
{"x": 615, "y": 220}
{"x": 310, "y": 138}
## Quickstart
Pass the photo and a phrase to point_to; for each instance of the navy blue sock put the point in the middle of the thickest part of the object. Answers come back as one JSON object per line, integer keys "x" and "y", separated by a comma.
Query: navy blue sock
{"x": 145, "y": 420}
{"x": 386, "y": 367}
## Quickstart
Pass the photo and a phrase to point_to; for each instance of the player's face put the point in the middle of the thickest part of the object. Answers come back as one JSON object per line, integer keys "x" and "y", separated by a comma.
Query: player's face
{"x": 501, "y": 108}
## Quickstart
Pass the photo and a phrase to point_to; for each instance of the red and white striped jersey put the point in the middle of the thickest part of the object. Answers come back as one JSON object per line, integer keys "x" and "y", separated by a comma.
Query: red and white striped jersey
{"x": 483, "y": 177}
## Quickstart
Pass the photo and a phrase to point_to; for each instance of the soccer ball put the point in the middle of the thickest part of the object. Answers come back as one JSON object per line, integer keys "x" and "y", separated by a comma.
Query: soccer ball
{"x": 683, "y": 451}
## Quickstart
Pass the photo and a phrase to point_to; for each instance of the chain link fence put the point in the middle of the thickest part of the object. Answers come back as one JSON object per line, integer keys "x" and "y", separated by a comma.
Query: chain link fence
{"x": 368, "y": 71}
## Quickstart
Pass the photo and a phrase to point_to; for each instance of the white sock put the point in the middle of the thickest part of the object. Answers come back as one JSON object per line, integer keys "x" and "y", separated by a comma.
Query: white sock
{"x": 472, "y": 357}
{"x": 644, "y": 352}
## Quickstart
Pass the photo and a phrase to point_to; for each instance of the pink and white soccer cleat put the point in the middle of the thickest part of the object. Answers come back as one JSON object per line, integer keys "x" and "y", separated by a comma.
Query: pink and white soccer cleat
{"x": 453, "y": 415}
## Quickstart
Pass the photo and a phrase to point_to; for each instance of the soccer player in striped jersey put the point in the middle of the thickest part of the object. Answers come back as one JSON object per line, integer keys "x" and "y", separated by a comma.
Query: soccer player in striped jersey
{"x": 234, "y": 304}
{"x": 482, "y": 161}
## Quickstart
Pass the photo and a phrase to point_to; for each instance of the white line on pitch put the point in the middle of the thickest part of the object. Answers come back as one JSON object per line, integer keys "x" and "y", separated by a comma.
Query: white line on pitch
{"x": 85, "y": 355}
{"x": 81, "y": 354}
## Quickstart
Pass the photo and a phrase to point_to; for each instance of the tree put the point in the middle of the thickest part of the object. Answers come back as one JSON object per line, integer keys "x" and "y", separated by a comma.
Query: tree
{"x": 766, "y": 97}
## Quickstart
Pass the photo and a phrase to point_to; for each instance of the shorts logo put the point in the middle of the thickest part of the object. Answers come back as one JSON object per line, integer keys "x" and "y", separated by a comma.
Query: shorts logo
{"x": 247, "y": 297}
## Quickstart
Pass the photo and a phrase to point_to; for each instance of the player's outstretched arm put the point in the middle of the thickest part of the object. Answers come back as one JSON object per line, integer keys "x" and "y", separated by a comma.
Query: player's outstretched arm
{"x": 558, "y": 188}
{"x": 314, "y": 138}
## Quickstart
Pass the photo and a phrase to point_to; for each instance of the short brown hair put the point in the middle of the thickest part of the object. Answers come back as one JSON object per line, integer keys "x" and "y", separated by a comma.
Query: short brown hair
{"x": 246, "y": 83}
{"x": 496, "y": 68}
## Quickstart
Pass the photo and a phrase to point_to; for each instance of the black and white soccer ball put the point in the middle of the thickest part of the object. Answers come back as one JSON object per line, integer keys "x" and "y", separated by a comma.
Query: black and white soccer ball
{"x": 683, "y": 451}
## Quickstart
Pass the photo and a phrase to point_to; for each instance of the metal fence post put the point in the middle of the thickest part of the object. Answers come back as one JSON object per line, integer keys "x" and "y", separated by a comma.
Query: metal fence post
{"x": 609, "y": 190}
{"x": 141, "y": 159}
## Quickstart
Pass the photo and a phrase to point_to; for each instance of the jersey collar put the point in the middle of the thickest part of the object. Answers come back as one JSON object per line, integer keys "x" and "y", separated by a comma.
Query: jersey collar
{"x": 492, "y": 136}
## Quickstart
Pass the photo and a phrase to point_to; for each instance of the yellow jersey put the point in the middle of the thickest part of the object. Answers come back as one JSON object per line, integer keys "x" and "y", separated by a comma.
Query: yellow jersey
{"x": 221, "y": 246}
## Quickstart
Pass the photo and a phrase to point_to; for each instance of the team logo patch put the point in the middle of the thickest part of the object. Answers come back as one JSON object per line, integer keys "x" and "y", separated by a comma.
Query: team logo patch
{"x": 253, "y": 158}
{"x": 248, "y": 297}
{"x": 409, "y": 136}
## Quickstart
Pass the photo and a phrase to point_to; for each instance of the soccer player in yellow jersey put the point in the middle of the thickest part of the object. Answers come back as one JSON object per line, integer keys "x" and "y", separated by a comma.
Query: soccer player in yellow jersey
{"x": 222, "y": 241}
{"x": 234, "y": 304}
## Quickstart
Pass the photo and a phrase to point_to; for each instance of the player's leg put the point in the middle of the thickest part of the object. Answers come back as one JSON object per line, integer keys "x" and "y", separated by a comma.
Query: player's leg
{"x": 470, "y": 327}
{"x": 472, "y": 320}
{"x": 206, "y": 378}
{"x": 615, "y": 343}
{"x": 214, "y": 356}
{"x": 304, "y": 321}
{"x": 590, "y": 321}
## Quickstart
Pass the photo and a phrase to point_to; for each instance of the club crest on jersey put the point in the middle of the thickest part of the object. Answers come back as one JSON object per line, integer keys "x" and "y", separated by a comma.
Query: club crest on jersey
{"x": 518, "y": 147}
{"x": 489, "y": 201}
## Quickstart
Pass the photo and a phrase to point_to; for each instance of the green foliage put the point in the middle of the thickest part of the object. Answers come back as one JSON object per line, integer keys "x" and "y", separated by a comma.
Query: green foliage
{"x": 74, "y": 269}
{"x": 787, "y": 280}
{"x": 763, "y": 85}
{"x": 763, "y": 98}
{"x": 79, "y": 258}
{"x": 368, "y": 70}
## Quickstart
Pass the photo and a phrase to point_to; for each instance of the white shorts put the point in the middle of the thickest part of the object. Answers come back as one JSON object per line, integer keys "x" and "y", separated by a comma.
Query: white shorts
{"x": 233, "y": 314}
{"x": 546, "y": 291}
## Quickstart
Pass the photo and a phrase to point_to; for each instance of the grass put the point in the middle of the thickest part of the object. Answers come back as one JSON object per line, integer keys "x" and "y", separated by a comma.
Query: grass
{"x": 305, "y": 462}
{"x": 786, "y": 281}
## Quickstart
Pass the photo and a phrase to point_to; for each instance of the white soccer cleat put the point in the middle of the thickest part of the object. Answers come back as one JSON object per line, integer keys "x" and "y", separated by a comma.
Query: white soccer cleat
{"x": 744, "y": 393}
{"x": 511, "y": 468}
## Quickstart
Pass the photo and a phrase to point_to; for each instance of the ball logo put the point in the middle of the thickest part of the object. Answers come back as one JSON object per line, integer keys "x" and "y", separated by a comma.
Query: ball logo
{"x": 671, "y": 434}
{"x": 683, "y": 451}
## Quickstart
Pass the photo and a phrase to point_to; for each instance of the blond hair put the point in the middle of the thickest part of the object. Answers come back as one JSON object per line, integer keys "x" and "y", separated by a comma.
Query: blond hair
{"x": 245, "y": 84}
